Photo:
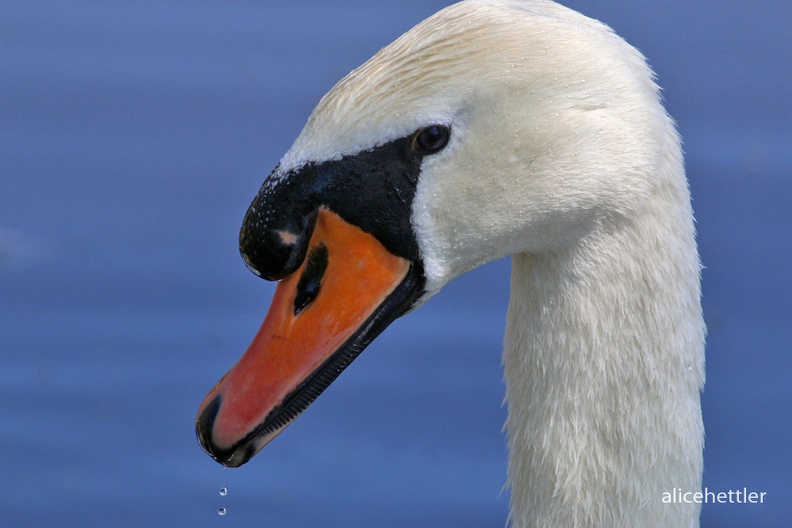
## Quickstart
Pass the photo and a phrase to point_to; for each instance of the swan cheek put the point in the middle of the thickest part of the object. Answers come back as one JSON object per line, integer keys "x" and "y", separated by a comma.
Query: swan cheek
{"x": 348, "y": 289}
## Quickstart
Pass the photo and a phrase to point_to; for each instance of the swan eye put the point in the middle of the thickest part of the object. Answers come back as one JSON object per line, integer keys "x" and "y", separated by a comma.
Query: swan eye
{"x": 431, "y": 139}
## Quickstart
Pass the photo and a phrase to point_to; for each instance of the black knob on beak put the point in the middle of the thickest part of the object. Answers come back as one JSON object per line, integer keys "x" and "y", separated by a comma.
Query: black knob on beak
{"x": 276, "y": 229}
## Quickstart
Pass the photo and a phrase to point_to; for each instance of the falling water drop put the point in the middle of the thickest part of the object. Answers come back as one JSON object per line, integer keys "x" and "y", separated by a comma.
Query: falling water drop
{"x": 223, "y": 491}
{"x": 221, "y": 511}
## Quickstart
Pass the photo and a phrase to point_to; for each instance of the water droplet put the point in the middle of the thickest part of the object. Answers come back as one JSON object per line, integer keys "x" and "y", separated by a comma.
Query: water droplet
{"x": 223, "y": 491}
{"x": 221, "y": 511}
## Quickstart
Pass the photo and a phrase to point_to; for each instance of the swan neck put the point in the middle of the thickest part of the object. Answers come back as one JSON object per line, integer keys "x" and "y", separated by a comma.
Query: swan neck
{"x": 604, "y": 365}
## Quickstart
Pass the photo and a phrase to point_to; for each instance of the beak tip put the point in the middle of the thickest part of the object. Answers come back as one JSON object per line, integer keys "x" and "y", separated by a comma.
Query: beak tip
{"x": 204, "y": 424}
{"x": 231, "y": 457}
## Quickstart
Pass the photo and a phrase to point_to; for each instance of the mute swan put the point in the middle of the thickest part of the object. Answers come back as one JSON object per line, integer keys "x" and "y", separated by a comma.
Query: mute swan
{"x": 493, "y": 128}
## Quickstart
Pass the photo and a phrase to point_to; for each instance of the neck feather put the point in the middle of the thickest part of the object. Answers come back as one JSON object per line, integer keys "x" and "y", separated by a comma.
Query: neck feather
{"x": 604, "y": 363}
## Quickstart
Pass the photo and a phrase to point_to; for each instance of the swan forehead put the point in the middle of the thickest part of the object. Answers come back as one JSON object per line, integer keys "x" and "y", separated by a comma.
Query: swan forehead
{"x": 424, "y": 77}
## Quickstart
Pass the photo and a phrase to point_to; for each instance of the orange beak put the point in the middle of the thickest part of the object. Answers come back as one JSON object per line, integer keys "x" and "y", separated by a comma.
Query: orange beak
{"x": 347, "y": 290}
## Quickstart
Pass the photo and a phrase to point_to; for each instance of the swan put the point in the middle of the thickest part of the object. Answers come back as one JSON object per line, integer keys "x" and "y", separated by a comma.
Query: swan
{"x": 495, "y": 128}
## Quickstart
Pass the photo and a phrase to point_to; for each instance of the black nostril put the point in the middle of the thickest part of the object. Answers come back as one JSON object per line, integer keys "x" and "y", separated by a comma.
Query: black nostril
{"x": 311, "y": 280}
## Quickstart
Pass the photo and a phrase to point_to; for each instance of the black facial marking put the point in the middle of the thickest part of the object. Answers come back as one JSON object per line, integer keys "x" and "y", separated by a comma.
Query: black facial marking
{"x": 311, "y": 279}
{"x": 373, "y": 190}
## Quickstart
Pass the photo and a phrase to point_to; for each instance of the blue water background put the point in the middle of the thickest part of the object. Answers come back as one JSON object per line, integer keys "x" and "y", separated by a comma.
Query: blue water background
{"x": 133, "y": 135}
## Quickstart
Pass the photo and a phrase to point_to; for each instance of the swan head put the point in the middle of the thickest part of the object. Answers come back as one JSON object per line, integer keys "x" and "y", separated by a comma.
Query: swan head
{"x": 491, "y": 128}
